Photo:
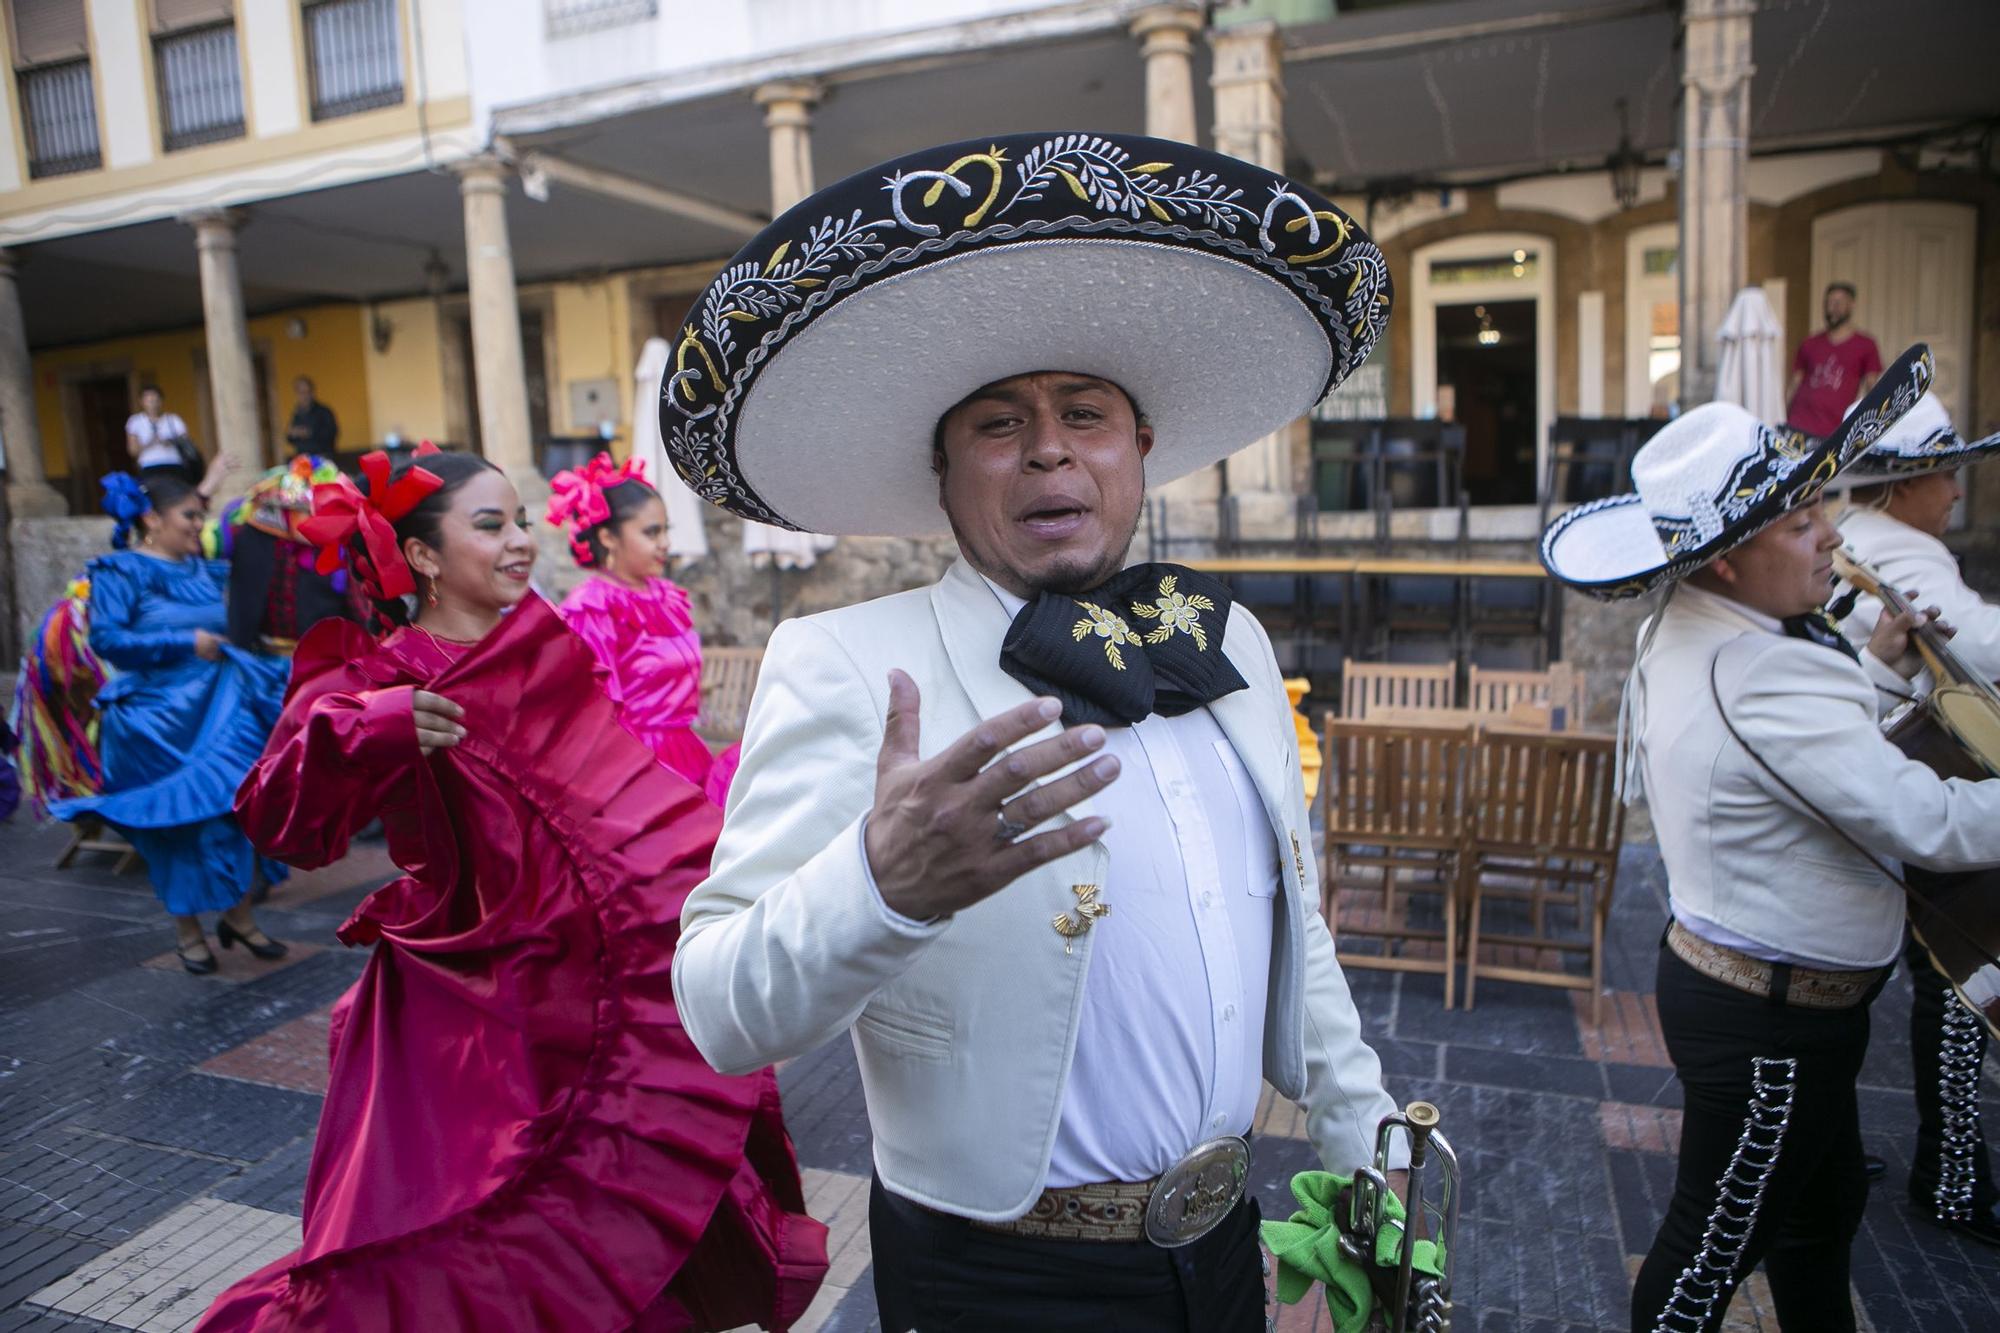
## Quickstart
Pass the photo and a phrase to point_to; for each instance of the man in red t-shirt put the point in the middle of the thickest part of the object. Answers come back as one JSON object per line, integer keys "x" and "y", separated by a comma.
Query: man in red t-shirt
{"x": 1832, "y": 368}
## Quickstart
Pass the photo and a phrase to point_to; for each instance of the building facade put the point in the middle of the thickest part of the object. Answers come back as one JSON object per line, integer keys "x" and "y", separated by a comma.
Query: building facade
{"x": 464, "y": 221}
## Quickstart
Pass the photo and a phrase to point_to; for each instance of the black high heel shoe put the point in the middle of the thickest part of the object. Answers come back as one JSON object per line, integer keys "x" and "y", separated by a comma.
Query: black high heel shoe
{"x": 229, "y": 937}
{"x": 200, "y": 964}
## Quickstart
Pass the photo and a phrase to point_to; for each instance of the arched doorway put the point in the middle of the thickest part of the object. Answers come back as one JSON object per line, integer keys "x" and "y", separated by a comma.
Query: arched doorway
{"x": 1482, "y": 344}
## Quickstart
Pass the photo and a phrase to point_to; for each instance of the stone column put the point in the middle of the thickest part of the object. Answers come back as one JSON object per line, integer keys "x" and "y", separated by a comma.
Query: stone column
{"x": 29, "y": 494}
{"x": 1166, "y": 34}
{"x": 788, "y": 112}
{"x": 496, "y": 324}
{"x": 1715, "y": 128}
{"x": 1249, "y": 86}
{"x": 1166, "y": 43}
{"x": 232, "y": 374}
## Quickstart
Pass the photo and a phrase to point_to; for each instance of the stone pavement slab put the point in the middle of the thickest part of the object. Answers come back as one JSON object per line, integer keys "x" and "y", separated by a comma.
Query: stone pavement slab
{"x": 156, "y": 1128}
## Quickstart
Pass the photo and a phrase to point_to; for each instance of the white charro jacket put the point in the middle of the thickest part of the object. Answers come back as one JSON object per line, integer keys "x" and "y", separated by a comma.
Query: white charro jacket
{"x": 1743, "y": 852}
{"x": 964, "y": 1031}
{"x": 1910, "y": 559}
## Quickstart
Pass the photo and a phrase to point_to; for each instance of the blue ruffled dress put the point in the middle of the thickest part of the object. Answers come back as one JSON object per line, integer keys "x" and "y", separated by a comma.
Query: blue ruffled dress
{"x": 178, "y": 733}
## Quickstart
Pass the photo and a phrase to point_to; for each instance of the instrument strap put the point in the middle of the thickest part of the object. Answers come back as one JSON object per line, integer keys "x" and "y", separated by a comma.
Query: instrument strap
{"x": 1715, "y": 692}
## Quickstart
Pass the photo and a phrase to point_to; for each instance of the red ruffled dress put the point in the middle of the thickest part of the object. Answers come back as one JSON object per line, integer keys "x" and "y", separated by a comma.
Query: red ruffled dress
{"x": 649, "y": 662}
{"x": 518, "y": 1134}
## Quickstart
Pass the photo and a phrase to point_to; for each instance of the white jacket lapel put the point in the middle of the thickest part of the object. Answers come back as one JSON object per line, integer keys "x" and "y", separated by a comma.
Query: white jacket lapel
{"x": 972, "y": 622}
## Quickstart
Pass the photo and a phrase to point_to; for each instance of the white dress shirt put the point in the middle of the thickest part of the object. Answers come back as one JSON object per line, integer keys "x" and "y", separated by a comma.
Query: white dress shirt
{"x": 1911, "y": 559}
{"x": 1169, "y": 1046}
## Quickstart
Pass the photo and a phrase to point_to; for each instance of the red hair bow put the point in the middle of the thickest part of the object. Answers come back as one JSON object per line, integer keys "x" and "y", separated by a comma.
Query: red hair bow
{"x": 576, "y": 496}
{"x": 342, "y": 513}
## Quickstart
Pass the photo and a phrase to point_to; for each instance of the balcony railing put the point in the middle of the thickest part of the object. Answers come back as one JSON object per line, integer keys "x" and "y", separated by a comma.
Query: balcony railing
{"x": 201, "y": 86}
{"x": 356, "y": 54}
{"x": 569, "y": 17}
{"x": 59, "y": 111}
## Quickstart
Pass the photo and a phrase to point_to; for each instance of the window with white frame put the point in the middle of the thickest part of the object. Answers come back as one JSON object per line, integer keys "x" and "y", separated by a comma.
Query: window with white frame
{"x": 567, "y": 18}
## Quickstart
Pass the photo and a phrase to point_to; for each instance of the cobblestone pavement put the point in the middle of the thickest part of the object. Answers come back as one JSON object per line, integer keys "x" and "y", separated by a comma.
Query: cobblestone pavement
{"x": 155, "y": 1127}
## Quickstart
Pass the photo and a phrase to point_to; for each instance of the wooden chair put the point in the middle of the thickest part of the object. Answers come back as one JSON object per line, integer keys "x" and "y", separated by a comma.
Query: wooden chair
{"x": 728, "y": 678}
{"x": 1543, "y": 807}
{"x": 1561, "y": 686}
{"x": 1393, "y": 801}
{"x": 87, "y": 835}
{"x": 1365, "y": 685}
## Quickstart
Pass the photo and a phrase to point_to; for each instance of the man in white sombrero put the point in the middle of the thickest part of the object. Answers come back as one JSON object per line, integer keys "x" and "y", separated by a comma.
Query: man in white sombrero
{"x": 1904, "y": 490}
{"x": 1755, "y": 742}
{"x": 1034, "y": 835}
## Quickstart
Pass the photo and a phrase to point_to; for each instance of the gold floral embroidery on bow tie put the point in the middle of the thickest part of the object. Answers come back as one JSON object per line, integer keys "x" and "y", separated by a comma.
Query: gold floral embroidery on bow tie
{"x": 1108, "y": 626}
{"x": 1176, "y": 611}
{"x": 1088, "y": 910}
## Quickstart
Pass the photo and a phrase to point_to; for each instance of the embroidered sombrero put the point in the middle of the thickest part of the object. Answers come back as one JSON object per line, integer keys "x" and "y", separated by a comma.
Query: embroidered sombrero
{"x": 810, "y": 375}
{"x": 1921, "y": 441}
{"x": 1710, "y": 480}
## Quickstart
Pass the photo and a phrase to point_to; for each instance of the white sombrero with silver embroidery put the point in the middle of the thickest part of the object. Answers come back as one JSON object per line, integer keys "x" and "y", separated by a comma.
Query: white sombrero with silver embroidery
{"x": 1709, "y": 481}
{"x": 1923, "y": 440}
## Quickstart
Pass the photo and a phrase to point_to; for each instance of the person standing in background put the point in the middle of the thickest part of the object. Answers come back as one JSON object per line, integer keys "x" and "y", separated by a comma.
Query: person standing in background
{"x": 1832, "y": 369}
{"x": 158, "y": 440}
{"x": 314, "y": 429}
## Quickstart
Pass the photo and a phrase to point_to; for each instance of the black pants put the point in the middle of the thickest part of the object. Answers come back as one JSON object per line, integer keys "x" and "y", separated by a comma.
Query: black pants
{"x": 940, "y": 1274}
{"x": 1770, "y": 1162}
{"x": 1949, "y": 1175}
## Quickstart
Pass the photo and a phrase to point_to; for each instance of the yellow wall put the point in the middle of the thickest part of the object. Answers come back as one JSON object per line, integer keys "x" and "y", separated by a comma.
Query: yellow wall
{"x": 590, "y": 329}
{"x": 406, "y": 382}
{"x": 331, "y": 352}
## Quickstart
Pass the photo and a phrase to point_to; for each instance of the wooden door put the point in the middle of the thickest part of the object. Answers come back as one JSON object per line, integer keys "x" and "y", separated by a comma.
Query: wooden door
{"x": 1912, "y": 263}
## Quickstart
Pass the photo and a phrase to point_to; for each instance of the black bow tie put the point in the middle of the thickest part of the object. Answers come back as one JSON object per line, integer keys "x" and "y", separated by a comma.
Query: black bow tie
{"x": 1819, "y": 627}
{"x": 1147, "y": 641}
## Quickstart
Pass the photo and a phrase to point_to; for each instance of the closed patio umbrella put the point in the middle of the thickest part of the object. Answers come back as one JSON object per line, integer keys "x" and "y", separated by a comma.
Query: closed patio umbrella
{"x": 1747, "y": 370}
{"x": 686, "y": 539}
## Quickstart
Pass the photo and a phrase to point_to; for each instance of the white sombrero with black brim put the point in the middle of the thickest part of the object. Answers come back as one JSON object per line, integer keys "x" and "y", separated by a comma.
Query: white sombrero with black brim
{"x": 811, "y": 374}
{"x": 1710, "y": 480}
{"x": 1921, "y": 441}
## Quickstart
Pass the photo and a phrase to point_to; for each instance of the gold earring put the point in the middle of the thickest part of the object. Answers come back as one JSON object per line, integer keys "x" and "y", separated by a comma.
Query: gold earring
{"x": 431, "y": 589}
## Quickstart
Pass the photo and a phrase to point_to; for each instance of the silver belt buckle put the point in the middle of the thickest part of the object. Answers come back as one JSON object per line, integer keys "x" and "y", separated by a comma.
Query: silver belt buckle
{"x": 1197, "y": 1192}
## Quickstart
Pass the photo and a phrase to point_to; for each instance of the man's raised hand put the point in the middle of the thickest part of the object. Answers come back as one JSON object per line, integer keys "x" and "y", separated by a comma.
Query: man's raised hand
{"x": 944, "y": 832}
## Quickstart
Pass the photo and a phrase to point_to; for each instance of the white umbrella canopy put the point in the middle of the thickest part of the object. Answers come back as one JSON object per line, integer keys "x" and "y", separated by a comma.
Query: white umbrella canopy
{"x": 1747, "y": 370}
{"x": 686, "y": 539}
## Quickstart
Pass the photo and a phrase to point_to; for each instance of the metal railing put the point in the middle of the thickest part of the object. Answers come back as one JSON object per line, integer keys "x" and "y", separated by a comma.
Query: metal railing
{"x": 356, "y": 55}
{"x": 201, "y": 86}
{"x": 567, "y": 17}
{"x": 59, "y": 114}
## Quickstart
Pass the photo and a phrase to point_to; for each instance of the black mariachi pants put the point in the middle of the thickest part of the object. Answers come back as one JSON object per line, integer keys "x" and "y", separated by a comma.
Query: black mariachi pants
{"x": 1770, "y": 1162}
{"x": 1950, "y": 1175}
{"x": 941, "y": 1274}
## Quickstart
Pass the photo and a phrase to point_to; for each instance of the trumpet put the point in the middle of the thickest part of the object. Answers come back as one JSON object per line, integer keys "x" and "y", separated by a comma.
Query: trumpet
{"x": 1407, "y": 1301}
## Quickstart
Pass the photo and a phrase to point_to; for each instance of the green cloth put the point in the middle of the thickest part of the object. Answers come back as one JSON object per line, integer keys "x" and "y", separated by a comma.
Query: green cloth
{"x": 1307, "y": 1248}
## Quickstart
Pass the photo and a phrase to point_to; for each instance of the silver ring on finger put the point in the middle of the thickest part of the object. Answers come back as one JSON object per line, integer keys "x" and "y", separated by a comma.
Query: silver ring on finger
{"x": 1008, "y": 829}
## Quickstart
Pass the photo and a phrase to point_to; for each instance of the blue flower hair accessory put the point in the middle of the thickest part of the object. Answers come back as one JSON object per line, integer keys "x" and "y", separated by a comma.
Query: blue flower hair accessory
{"x": 124, "y": 499}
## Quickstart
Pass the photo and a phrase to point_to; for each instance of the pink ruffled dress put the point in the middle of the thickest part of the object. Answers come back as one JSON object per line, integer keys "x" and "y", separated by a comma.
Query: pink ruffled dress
{"x": 649, "y": 661}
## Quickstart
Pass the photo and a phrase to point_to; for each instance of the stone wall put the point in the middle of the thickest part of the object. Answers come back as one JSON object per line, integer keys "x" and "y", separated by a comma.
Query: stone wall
{"x": 48, "y": 553}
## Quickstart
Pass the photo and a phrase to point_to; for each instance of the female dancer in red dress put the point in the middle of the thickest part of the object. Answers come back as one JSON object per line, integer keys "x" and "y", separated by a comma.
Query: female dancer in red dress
{"x": 517, "y": 1133}
{"x": 635, "y": 620}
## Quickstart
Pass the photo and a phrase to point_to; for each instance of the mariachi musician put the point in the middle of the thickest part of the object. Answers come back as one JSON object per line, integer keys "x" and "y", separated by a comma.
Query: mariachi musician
{"x": 1756, "y": 742}
{"x": 1905, "y": 488}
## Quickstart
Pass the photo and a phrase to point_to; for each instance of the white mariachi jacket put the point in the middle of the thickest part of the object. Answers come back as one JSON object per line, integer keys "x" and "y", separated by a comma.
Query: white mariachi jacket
{"x": 965, "y": 1029}
{"x": 1909, "y": 559}
{"x": 1740, "y": 850}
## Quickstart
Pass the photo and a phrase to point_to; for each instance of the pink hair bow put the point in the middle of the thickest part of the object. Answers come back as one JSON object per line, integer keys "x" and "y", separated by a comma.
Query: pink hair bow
{"x": 576, "y": 498}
